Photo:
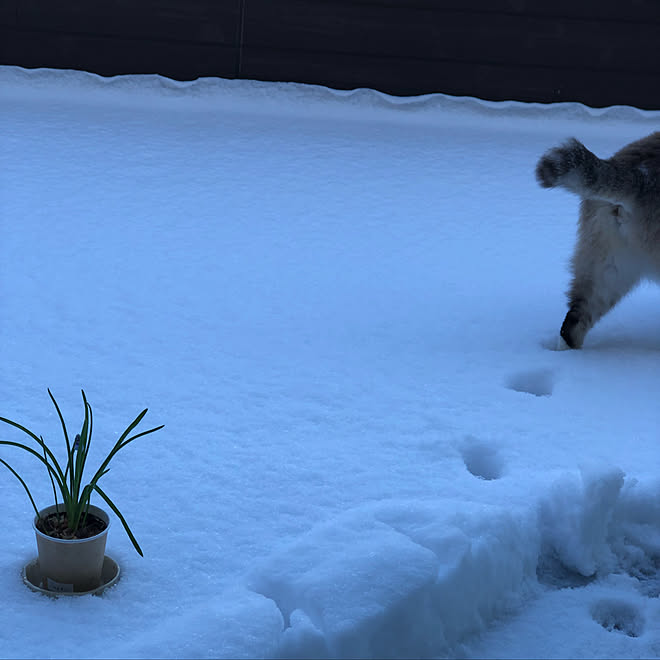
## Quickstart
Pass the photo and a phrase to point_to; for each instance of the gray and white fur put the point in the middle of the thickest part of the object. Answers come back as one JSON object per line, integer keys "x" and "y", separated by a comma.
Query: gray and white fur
{"x": 618, "y": 241}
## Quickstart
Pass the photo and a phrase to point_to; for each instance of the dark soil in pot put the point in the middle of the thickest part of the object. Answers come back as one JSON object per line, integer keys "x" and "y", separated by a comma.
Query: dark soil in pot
{"x": 56, "y": 525}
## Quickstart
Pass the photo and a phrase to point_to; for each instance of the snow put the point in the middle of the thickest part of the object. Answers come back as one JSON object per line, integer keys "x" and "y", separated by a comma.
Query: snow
{"x": 344, "y": 307}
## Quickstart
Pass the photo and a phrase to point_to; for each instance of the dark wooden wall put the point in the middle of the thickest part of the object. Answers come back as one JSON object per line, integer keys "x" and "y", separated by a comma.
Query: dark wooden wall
{"x": 599, "y": 52}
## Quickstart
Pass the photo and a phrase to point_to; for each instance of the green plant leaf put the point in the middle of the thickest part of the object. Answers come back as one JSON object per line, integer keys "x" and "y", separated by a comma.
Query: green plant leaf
{"x": 109, "y": 502}
{"x": 79, "y": 507}
{"x": 27, "y": 490}
{"x": 52, "y": 482}
{"x": 89, "y": 434}
{"x": 139, "y": 435}
{"x": 122, "y": 442}
{"x": 81, "y": 454}
{"x": 66, "y": 435}
{"x": 55, "y": 469}
{"x": 38, "y": 440}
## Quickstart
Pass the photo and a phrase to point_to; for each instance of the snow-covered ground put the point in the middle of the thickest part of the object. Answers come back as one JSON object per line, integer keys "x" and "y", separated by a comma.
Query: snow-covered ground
{"x": 342, "y": 306}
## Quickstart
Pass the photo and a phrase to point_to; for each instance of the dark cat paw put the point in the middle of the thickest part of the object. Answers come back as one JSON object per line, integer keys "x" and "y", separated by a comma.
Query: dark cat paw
{"x": 573, "y": 330}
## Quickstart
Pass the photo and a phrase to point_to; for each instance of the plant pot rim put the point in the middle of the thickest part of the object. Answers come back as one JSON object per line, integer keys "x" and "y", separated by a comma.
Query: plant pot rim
{"x": 93, "y": 509}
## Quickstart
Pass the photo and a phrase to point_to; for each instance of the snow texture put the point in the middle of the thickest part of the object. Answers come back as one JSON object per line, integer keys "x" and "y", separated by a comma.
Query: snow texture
{"x": 344, "y": 307}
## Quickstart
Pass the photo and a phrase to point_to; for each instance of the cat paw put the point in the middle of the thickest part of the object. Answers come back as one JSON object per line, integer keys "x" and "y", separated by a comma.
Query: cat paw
{"x": 574, "y": 328}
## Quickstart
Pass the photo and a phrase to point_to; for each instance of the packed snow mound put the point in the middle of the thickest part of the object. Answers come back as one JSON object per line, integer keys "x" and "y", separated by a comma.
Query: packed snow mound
{"x": 422, "y": 579}
{"x": 575, "y": 520}
{"x": 399, "y": 579}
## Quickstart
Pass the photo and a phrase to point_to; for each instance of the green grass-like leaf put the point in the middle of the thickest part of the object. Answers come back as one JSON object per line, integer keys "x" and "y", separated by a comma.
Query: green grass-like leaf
{"x": 27, "y": 490}
{"x": 109, "y": 502}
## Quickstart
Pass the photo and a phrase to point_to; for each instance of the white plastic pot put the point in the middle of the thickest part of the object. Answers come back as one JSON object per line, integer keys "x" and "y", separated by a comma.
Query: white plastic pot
{"x": 71, "y": 565}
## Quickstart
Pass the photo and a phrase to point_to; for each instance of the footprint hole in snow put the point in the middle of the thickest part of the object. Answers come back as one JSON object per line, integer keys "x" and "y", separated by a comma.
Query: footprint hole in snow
{"x": 539, "y": 382}
{"x": 552, "y": 572}
{"x": 555, "y": 343}
{"x": 481, "y": 459}
{"x": 618, "y": 616}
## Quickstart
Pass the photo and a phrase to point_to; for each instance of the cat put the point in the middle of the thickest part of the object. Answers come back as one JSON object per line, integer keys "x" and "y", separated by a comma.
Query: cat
{"x": 618, "y": 242}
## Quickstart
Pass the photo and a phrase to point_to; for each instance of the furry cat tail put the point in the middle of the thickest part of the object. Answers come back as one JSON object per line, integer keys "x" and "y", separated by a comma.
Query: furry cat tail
{"x": 573, "y": 167}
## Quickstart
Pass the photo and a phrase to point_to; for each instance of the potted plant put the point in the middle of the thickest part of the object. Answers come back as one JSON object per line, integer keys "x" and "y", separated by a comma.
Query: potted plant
{"x": 71, "y": 534}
